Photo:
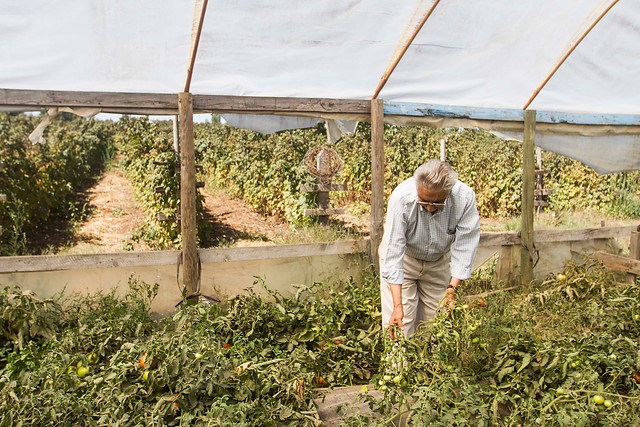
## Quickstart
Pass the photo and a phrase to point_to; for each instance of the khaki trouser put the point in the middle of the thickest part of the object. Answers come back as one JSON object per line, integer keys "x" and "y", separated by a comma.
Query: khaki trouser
{"x": 425, "y": 284}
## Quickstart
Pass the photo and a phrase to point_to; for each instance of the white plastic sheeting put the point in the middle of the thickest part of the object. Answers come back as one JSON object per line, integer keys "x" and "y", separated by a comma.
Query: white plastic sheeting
{"x": 480, "y": 53}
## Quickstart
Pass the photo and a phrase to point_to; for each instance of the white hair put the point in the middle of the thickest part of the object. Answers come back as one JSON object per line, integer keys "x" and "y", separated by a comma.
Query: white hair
{"x": 436, "y": 175}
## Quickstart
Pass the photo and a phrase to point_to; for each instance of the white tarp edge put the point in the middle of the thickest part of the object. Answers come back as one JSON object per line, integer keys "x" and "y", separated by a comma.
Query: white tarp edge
{"x": 336, "y": 129}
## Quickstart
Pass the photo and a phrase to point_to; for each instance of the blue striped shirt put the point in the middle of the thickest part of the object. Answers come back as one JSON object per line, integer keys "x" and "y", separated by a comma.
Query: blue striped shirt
{"x": 420, "y": 234}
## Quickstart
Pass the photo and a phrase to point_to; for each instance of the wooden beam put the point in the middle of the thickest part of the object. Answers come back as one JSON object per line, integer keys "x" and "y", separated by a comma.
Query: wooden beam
{"x": 188, "y": 195}
{"x": 20, "y": 264}
{"x": 402, "y": 49}
{"x": 323, "y": 211}
{"x": 321, "y": 186}
{"x": 550, "y": 236}
{"x": 194, "y": 45}
{"x": 634, "y": 251}
{"x": 571, "y": 49}
{"x": 166, "y": 104}
{"x": 507, "y": 239}
{"x": 620, "y": 263}
{"x": 50, "y": 98}
{"x": 279, "y": 105}
{"x": 377, "y": 179}
{"x": 528, "y": 182}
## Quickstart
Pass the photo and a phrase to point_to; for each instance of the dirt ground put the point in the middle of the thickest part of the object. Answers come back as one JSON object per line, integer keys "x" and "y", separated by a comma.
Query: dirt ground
{"x": 110, "y": 215}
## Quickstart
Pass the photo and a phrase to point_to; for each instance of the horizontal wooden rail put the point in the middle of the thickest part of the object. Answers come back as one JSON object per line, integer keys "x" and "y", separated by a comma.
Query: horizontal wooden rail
{"x": 620, "y": 263}
{"x": 162, "y": 103}
{"x": 167, "y": 104}
{"x": 14, "y": 264}
{"x": 323, "y": 212}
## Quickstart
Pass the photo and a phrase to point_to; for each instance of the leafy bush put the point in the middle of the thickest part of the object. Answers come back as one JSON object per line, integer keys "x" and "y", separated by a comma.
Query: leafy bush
{"x": 563, "y": 353}
{"x": 41, "y": 180}
{"x": 151, "y": 163}
{"x": 267, "y": 170}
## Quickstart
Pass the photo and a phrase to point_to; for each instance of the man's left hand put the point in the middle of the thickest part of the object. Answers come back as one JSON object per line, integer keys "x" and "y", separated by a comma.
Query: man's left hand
{"x": 448, "y": 301}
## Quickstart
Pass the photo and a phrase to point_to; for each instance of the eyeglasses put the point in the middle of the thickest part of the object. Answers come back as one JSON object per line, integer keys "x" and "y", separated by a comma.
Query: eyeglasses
{"x": 431, "y": 204}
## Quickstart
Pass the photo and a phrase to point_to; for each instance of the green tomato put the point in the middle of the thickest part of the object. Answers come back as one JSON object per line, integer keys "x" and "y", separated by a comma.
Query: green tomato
{"x": 608, "y": 403}
{"x": 145, "y": 375}
{"x": 561, "y": 277}
{"x": 636, "y": 316}
{"x": 598, "y": 400}
{"x": 83, "y": 371}
{"x": 387, "y": 377}
{"x": 397, "y": 379}
{"x": 476, "y": 340}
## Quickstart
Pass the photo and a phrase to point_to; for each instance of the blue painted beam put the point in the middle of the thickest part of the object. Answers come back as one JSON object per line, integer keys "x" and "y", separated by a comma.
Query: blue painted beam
{"x": 507, "y": 114}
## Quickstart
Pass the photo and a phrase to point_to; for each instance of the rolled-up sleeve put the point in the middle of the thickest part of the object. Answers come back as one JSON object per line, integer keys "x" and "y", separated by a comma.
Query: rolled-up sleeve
{"x": 394, "y": 242}
{"x": 465, "y": 245}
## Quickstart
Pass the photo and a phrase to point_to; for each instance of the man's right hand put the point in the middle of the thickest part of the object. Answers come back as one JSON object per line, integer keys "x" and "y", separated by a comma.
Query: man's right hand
{"x": 396, "y": 320}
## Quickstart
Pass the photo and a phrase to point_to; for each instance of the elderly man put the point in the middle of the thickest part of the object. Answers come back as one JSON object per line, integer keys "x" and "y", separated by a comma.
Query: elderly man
{"x": 430, "y": 239}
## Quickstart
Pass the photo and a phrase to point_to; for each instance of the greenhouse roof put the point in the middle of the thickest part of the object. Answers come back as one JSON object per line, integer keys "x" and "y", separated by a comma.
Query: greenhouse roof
{"x": 573, "y": 61}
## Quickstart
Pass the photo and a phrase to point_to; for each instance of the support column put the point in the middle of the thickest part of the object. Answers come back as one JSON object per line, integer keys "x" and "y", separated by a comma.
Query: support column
{"x": 528, "y": 182}
{"x": 377, "y": 178}
{"x": 634, "y": 251}
{"x": 188, "y": 194}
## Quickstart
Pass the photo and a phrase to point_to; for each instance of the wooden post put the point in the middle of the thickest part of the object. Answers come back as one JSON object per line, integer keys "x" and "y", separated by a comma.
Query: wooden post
{"x": 443, "y": 149}
{"x": 377, "y": 178}
{"x": 3, "y": 198}
{"x": 176, "y": 137}
{"x": 528, "y": 180}
{"x": 188, "y": 194}
{"x": 323, "y": 205}
{"x": 634, "y": 251}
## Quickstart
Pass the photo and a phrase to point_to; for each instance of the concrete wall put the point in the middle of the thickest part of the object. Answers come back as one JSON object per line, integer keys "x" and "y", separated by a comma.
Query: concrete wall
{"x": 231, "y": 271}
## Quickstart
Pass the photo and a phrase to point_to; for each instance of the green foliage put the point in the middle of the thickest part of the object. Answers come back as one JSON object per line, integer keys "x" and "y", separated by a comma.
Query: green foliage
{"x": 531, "y": 357}
{"x": 40, "y": 180}
{"x": 252, "y": 360}
{"x": 523, "y": 358}
{"x": 265, "y": 170}
{"x": 150, "y": 162}
{"x": 25, "y": 317}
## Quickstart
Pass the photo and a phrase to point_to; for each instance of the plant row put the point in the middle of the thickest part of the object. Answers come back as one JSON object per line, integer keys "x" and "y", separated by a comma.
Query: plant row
{"x": 41, "y": 180}
{"x": 267, "y": 170}
{"x": 152, "y": 165}
{"x": 564, "y": 353}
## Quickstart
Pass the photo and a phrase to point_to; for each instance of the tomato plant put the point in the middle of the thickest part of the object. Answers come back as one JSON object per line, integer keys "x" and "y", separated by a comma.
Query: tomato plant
{"x": 543, "y": 356}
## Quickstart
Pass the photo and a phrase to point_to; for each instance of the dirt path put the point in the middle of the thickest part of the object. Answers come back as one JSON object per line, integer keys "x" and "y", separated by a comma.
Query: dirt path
{"x": 112, "y": 216}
